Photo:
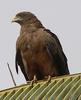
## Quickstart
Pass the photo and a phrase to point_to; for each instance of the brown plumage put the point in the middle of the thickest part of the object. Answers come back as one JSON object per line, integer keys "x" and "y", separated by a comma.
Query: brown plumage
{"x": 38, "y": 51}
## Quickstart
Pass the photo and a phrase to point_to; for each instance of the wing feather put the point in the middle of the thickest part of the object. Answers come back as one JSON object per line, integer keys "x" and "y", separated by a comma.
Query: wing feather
{"x": 18, "y": 61}
{"x": 57, "y": 55}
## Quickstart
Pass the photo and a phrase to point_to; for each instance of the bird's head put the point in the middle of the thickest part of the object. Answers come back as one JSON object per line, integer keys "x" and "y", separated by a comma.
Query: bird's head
{"x": 24, "y": 18}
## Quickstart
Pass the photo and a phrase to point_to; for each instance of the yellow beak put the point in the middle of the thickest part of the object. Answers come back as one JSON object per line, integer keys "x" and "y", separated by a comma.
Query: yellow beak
{"x": 16, "y": 19}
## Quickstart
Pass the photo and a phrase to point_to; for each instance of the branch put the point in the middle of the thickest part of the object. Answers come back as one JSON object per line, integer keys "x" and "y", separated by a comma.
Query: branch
{"x": 11, "y": 74}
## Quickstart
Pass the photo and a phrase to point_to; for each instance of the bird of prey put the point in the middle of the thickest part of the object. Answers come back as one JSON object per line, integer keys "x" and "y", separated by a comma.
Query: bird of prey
{"x": 38, "y": 50}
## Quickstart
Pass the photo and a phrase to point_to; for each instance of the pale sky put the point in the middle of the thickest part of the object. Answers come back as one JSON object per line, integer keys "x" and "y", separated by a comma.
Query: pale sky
{"x": 63, "y": 17}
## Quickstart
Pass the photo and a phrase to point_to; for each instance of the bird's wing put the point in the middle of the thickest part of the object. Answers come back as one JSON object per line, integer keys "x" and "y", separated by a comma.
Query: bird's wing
{"x": 54, "y": 36}
{"x": 57, "y": 55}
{"x": 18, "y": 61}
{"x": 57, "y": 40}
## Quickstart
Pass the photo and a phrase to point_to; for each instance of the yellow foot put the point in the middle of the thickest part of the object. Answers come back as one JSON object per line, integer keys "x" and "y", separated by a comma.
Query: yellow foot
{"x": 34, "y": 80}
{"x": 49, "y": 79}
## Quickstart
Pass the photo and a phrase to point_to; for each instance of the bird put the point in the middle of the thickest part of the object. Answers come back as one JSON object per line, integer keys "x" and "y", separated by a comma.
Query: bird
{"x": 39, "y": 53}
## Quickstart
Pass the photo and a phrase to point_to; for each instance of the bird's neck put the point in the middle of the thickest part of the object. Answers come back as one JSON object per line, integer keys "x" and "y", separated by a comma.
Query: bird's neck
{"x": 29, "y": 28}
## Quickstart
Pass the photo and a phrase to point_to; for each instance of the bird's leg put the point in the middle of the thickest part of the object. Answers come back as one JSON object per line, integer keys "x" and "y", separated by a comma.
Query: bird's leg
{"x": 49, "y": 79}
{"x": 34, "y": 80}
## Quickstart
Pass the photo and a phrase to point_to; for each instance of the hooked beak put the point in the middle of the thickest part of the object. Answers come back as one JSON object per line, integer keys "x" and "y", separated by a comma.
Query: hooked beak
{"x": 16, "y": 19}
